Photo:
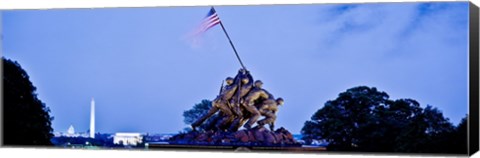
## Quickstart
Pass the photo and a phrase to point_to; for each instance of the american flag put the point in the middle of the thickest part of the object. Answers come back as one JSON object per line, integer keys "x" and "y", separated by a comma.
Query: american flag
{"x": 208, "y": 22}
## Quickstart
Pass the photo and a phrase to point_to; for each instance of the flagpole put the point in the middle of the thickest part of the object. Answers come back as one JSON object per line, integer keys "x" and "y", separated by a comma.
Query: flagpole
{"x": 231, "y": 43}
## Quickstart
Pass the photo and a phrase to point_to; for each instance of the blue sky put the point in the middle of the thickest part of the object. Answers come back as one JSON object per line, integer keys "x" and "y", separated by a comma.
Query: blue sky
{"x": 143, "y": 72}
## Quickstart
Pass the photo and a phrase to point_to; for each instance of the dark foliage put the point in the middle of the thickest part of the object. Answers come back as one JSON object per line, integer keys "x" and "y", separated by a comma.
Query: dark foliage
{"x": 26, "y": 119}
{"x": 459, "y": 137}
{"x": 365, "y": 119}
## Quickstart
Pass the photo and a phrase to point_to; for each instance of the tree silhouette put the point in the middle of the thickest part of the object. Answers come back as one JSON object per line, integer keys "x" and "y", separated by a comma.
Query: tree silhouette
{"x": 365, "y": 119}
{"x": 26, "y": 119}
{"x": 460, "y": 137}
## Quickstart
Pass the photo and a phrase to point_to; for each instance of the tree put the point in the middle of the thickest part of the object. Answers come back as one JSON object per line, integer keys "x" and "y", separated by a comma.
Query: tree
{"x": 427, "y": 132}
{"x": 343, "y": 122}
{"x": 26, "y": 118}
{"x": 460, "y": 135}
{"x": 198, "y": 111}
{"x": 365, "y": 119}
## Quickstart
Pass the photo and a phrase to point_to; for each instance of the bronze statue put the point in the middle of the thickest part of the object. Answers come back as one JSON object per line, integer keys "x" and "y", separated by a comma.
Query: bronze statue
{"x": 241, "y": 100}
{"x": 256, "y": 94}
{"x": 269, "y": 109}
{"x": 245, "y": 85}
{"x": 220, "y": 103}
{"x": 240, "y": 103}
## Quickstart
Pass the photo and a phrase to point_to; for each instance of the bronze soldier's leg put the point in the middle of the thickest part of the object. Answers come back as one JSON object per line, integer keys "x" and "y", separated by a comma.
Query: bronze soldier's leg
{"x": 255, "y": 114}
{"x": 238, "y": 116}
{"x": 202, "y": 119}
{"x": 236, "y": 108}
{"x": 245, "y": 116}
{"x": 213, "y": 121}
{"x": 228, "y": 115}
{"x": 269, "y": 118}
{"x": 242, "y": 122}
{"x": 223, "y": 127}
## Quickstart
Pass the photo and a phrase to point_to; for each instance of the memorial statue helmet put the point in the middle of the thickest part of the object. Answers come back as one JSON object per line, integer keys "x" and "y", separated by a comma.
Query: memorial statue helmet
{"x": 245, "y": 80}
{"x": 280, "y": 101}
{"x": 229, "y": 80}
{"x": 258, "y": 83}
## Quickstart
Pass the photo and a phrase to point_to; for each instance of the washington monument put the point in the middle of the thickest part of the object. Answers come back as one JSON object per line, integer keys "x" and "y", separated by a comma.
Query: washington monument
{"x": 92, "y": 119}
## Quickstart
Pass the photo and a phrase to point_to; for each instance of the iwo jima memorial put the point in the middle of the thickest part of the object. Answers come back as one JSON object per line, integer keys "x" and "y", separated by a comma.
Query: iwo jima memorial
{"x": 242, "y": 102}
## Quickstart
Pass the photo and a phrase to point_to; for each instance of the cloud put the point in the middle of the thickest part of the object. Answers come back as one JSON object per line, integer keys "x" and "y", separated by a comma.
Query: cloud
{"x": 415, "y": 50}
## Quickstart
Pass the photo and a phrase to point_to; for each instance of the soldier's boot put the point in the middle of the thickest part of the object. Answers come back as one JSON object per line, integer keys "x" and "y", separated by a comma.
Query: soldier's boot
{"x": 241, "y": 123}
{"x": 272, "y": 127}
{"x": 260, "y": 123}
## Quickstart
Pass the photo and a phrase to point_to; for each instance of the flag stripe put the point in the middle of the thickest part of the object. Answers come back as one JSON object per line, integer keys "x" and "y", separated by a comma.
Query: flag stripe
{"x": 208, "y": 18}
{"x": 213, "y": 24}
{"x": 209, "y": 21}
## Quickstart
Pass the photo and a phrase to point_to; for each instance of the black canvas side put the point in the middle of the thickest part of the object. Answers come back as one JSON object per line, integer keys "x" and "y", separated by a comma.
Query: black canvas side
{"x": 473, "y": 120}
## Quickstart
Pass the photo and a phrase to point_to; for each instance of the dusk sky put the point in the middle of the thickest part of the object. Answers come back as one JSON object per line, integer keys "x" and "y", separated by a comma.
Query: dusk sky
{"x": 143, "y": 71}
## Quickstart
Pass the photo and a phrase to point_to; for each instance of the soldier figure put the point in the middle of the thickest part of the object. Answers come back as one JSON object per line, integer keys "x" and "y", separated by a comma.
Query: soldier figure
{"x": 220, "y": 103}
{"x": 256, "y": 94}
{"x": 241, "y": 94}
{"x": 245, "y": 87}
{"x": 269, "y": 109}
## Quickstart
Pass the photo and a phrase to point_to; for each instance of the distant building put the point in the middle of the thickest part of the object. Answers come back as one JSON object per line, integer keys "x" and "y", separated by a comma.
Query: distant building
{"x": 127, "y": 138}
{"x": 71, "y": 130}
{"x": 71, "y": 133}
{"x": 81, "y": 134}
{"x": 92, "y": 119}
{"x": 89, "y": 134}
